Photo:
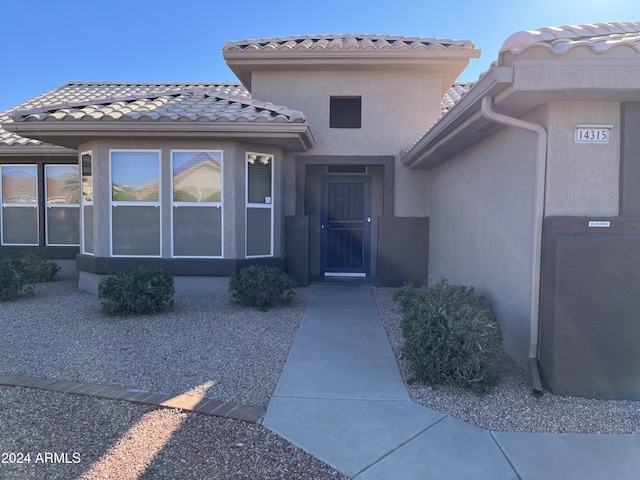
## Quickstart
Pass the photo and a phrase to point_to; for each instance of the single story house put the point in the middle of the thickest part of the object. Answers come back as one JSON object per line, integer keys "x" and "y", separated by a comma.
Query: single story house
{"x": 522, "y": 184}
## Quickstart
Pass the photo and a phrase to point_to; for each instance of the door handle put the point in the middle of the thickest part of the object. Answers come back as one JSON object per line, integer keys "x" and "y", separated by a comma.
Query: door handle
{"x": 368, "y": 219}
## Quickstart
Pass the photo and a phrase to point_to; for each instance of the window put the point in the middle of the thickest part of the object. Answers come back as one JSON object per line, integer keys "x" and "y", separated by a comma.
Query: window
{"x": 345, "y": 112}
{"x": 62, "y": 190}
{"x": 86, "y": 166}
{"x": 19, "y": 186}
{"x": 196, "y": 208}
{"x": 135, "y": 203}
{"x": 259, "y": 226}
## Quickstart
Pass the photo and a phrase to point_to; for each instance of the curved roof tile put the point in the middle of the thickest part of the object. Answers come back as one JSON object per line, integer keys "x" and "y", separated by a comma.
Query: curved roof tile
{"x": 193, "y": 102}
{"x": 344, "y": 42}
{"x": 600, "y": 37}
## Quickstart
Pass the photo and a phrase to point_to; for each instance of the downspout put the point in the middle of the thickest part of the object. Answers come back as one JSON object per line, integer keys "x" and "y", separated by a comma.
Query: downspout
{"x": 541, "y": 173}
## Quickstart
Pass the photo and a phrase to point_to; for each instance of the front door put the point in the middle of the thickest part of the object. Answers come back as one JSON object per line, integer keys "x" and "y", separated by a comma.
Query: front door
{"x": 346, "y": 225}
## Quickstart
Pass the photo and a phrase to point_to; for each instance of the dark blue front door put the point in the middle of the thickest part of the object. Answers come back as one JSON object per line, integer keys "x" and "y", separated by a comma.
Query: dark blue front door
{"x": 346, "y": 225}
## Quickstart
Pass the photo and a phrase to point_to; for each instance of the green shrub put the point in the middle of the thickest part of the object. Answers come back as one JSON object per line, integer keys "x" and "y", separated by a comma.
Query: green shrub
{"x": 450, "y": 336}
{"x": 142, "y": 291}
{"x": 38, "y": 269}
{"x": 13, "y": 278}
{"x": 262, "y": 286}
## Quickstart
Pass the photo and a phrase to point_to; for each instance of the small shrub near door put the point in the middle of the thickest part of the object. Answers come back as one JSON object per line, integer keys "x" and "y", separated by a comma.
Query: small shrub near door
{"x": 145, "y": 290}
{"x": 261, "y": 287}
{"x": 450, "y": 336}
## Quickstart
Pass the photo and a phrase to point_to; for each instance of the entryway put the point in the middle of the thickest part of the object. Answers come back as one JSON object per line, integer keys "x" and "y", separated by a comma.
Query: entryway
{"x": 346, "y": 226}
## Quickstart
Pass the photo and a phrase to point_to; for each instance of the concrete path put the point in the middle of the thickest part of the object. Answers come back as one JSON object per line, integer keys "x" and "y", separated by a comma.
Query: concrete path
{"x": 341, "y": 398}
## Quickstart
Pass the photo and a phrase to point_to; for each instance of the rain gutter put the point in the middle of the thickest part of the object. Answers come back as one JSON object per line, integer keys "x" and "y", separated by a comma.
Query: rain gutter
{"x": 541, "y": 173}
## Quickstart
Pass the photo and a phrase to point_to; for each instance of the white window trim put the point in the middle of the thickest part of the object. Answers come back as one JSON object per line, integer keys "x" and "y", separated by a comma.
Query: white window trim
{"x": 35, "y": 205}
{"x": 82, "y": 201}
{"x": 47, "y": 205}
{"x": 258, "y": 205}
{"x": 113, "y": 204}
{"x": 200, "y": 204}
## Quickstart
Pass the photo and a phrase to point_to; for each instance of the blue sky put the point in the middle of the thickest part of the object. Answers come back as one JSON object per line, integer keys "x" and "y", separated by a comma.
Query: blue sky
{"x": 46, "y": 43}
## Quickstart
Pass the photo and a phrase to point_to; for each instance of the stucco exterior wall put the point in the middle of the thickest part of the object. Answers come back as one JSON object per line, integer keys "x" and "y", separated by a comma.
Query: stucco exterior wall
{"x": 481, "y": 228}
{"x": 582, "y": 179}
{"x": 397, "y": 108}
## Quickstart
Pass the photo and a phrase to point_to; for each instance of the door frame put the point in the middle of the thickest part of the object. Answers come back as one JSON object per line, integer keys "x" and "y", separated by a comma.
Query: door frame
{"x": 366, "y": 180}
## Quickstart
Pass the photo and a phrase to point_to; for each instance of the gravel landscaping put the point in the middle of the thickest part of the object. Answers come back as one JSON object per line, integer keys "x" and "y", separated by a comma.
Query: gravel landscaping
{"x": 207, "y": 346}
{"x": 511, "y": 406}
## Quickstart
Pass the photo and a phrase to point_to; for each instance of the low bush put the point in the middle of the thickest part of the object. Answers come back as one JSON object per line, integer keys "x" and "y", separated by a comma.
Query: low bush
{"x": 38, "y": 269}
{"x": 13, "y": 278}
{"x": 262, "y": 286}
{"x": 450, "y": 336}
{"x": 142, "y": 291}
{"x": 18, "y": 274}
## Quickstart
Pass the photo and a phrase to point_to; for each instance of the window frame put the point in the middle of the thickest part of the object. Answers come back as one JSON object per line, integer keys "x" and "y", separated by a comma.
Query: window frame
{"x": 114, "y": 204}
{"x": 258, "y": 205}
{"x": 48, "y": 205}
{"x": 219, "y": 204}
{"x": 35, "y": 205}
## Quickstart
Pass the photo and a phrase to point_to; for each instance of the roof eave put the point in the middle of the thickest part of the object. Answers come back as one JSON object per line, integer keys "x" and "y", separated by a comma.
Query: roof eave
{"x": 31, "y": 150}
{"x": 243, "y": 63}
{"x": 296, "y": 137}
{"x": 436, "y": 146}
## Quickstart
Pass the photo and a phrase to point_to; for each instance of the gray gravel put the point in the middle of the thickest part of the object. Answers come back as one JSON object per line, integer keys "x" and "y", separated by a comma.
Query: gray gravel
{"x": 99, "y": 440}
{"x": 511, "y": 406}
{"x": 221, "y": 350}
{"x": 205, "y": 346}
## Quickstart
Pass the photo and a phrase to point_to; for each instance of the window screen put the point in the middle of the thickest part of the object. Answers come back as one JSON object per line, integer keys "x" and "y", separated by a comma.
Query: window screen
{"x": 135, "y": 203}
{"x": 197, "y": 203}
{"x": 259, "y": 212}
{"x": 19, "y": 184}
{"x": 86, "y": 166}
{"x": 62, "y": 190}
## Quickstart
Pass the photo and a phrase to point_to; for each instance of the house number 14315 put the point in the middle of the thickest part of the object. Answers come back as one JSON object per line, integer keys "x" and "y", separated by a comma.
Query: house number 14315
{"x": 592, "y": 134}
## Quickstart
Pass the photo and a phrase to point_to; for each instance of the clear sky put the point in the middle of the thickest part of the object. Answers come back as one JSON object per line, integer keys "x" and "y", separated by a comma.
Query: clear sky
{"x": 46, "y": 43}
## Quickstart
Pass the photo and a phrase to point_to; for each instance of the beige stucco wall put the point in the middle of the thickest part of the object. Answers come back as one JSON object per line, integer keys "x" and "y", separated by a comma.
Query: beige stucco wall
{"x": 397, "y": 108}
{"x": 234, "y": 184}
{"x": 481, "y": 228}
{"x": 582, "y": 179}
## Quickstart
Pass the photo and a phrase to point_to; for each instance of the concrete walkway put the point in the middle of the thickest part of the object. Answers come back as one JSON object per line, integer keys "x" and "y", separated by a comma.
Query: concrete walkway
{"x": 342, "y": 399}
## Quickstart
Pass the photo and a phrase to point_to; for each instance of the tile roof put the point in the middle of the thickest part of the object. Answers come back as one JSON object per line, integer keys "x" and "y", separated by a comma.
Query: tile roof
{"x": 599, "y": 37}
{"x": 345, "y": 42}
{"x": 110, "y": 102}
{"x": 454, "y": 95}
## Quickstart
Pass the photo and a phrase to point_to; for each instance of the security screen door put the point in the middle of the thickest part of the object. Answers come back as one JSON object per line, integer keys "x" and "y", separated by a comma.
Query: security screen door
{"x": 346, "y": 225}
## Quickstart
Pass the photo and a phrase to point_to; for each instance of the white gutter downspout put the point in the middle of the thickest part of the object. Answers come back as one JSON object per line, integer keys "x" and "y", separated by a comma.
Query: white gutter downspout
{"x": 541, "y": 173}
